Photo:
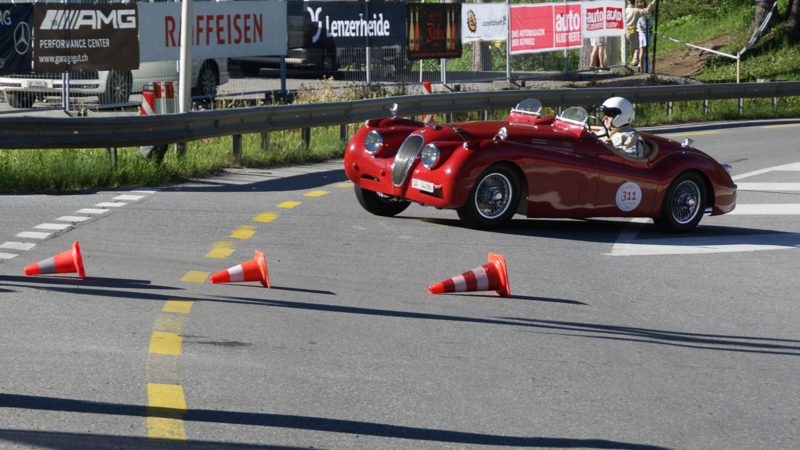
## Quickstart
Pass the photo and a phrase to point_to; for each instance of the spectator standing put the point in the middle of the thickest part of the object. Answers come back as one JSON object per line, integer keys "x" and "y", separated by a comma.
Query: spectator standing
{"x": 598, "y": 57}
{"x": 632, "y": 15}
{"x": 644, "y": 40}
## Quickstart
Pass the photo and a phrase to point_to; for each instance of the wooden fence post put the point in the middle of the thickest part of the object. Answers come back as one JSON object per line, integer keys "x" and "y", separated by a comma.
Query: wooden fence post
{"x": 237, "y": 146}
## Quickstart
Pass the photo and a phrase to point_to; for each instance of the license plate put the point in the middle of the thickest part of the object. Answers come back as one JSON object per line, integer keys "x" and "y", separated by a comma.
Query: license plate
{"x": 37, "y": 84}
{"x": 426, "y": 186}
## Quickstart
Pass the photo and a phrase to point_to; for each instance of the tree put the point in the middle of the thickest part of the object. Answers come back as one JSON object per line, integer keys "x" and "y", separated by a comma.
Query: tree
{"x": 793, "y": 19}
{"x": 481, "y": 53}
{"x": 760, "y": 13}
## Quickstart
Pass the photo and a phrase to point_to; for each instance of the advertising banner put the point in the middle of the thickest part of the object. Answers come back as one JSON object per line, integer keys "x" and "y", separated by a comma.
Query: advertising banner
{"x": 354, "y": 24}
{"x": 15, "y": 38}
{"x": 434, "y": 30}
{"x": 484, "y": 22}
{"x": 603, "y": 18}
{"x": 545, "y": 27}
{"x": 71, "y": 37}
{"x": 221, "y": 30}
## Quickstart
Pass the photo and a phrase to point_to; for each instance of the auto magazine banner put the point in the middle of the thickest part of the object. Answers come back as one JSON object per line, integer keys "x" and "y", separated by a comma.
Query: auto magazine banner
{"x": 484, "y": 22}
{"x": 434, "y": 30}
{"x": 220, "y": 30}
{"x": 545, "y": 27}
{"x": 603, "y": 18}
{"x": 71, "y": 37}
{"x": 353, "y": 24}
{"x": 15, "y": 39}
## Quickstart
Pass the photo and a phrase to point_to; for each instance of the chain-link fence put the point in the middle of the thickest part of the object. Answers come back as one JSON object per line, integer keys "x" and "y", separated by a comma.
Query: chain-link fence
{"x": 260, "y": 76}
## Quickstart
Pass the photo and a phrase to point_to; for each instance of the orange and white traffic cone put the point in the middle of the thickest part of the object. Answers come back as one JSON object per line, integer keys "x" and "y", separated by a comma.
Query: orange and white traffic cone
{"x": 491, "y": 276}
{"x": 69, "y": 261}
{"x": 253, "y": 270}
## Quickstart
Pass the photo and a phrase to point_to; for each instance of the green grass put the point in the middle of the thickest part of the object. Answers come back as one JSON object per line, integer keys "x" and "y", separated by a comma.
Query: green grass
{"x": 70, "y": 169}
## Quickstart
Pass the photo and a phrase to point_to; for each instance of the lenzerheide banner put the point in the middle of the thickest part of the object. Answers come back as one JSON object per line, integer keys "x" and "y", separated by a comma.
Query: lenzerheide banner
{"x": 353, "y": 24}
{"x": 434, "y": 30}
{"x": 71, "y": 37}
{"x": 15, "y": 38}
{"x": 220, "y": 30}
{"x": 545, "y": 27}
{"x": 484, "y": 22}
{"x": 603, "y": 18}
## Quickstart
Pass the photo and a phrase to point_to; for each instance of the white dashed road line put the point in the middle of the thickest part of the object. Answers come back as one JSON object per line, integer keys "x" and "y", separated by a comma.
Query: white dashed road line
{"x": 100, "y": 208}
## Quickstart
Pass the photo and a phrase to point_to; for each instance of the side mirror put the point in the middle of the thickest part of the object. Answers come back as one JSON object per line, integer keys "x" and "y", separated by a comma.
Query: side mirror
{"x": 394, "y": 110}
{"x": 502, "y": 134}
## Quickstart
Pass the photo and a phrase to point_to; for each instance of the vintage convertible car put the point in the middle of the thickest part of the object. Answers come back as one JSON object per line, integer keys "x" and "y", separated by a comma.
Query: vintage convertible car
{"x": 555, "y": 167}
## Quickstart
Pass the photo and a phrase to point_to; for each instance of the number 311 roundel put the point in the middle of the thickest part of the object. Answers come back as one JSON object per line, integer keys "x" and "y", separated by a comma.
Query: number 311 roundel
{"x": 628, "y": 196}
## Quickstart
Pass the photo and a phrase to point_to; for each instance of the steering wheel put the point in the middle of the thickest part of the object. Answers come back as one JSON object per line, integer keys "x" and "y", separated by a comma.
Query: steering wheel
{"x": 591, "y": 130}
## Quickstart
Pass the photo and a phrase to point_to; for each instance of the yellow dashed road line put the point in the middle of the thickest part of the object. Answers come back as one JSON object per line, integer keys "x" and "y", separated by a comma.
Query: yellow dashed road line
{"x": 693, "y": 134}
{"x": 195, "y": 276}
{"x": 165, "y": 343}
{"x": 178, "y": 305}
{"x": 244, "y": 232}
{"x": 345, "y": 185}
{"x": 783, "y": 126}
{"x": 316, "y": 193}
{"x": 166, "y": 404}
{"x": 288, "y": 205}
{"x": 220, "y": 253}
{"x": 266, "y": 217}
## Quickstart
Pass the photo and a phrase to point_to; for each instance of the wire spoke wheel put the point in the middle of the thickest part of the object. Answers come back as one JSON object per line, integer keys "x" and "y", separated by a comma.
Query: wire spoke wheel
{"x": 685, "y": 203}
{"x": 493, "y": 196}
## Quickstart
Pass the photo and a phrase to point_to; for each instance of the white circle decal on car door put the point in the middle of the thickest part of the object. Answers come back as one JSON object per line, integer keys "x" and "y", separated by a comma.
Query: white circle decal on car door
{"x": 628, "y": 196}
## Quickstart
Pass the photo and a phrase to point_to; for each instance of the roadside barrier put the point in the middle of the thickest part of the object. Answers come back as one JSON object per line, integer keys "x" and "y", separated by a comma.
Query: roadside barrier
{"x": 148, "y": 102}
{"x": 426, "y": 89}
{"x": 133, "y": 131}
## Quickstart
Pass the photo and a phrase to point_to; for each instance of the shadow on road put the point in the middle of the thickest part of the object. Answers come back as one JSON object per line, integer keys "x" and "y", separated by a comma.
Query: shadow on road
{"x": 60, "y": 280}
{"x": 297, "y": 423}
{"x": 291, "y": 183}
{"x": 84, "y": 441}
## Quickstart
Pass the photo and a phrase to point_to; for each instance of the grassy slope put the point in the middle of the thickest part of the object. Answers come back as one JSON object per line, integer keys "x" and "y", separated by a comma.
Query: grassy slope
{"x": 774, "y": 56}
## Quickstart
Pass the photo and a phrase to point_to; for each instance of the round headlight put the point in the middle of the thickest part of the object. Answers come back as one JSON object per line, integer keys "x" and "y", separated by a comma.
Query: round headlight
{"x": 373, "y": 141}
{"x": 429, "y": 155}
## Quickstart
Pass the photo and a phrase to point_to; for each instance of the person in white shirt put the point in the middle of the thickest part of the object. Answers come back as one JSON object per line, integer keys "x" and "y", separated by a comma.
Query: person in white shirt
{"x": 632, "y": 15}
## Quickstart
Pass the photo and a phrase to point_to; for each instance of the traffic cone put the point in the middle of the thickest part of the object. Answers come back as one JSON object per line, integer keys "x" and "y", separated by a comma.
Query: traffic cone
{"x": 491, "y": 276}
{"x": 69, "y": 261}
{"x": 253, "y": 270}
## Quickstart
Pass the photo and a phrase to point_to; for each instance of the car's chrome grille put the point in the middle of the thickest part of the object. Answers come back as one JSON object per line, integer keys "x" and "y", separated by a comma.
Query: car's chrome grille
{"x": 405, "y": 158}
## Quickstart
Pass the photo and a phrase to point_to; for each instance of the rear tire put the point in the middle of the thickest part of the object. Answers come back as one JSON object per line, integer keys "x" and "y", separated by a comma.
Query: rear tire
{"x": 118, "y": 88}
{"x": 20, "y": 99}
{"x": 684, "y": 204}
{"x": 378, "y": 205}
{"x": 493, "y": 200}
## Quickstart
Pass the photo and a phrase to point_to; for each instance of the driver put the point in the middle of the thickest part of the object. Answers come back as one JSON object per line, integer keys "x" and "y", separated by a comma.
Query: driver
{"x": 618, "y": 117}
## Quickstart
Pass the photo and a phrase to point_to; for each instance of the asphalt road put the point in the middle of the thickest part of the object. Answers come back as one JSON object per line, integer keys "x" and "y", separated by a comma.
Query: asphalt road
{"x": 616, "y": 335}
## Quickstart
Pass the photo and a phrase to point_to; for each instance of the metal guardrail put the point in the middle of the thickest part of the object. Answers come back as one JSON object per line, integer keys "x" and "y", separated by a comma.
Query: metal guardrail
{"x": 133, "y": 131}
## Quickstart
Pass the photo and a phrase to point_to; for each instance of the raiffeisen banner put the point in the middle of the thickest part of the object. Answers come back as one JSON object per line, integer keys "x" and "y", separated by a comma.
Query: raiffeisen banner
{"x": 603, "y": 18}
{"x": 354, "y": 24}
{"x": 221, "y": 30}
{"x": 484, "y": 22}
{"x": 545, "y": 27}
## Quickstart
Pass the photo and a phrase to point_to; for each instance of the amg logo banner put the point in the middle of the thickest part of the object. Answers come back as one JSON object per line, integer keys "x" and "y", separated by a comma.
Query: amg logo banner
{"x": 72, "y": 20}
{"x": 70, "y": 37}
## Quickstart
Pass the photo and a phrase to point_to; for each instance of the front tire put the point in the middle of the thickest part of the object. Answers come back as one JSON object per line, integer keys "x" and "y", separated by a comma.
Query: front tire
{"x": 207, "y": 81}
{"x": 493, "y": 200}
{"x": 684, "y": 204}
{"x": 378, "y": 205}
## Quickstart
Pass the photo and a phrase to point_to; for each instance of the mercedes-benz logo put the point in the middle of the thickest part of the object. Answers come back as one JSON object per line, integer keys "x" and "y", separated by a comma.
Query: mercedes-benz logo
{"x": 22, "y": 38}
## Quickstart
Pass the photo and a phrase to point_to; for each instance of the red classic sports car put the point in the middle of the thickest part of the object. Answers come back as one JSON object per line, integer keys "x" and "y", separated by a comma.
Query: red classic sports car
{"x": 538, "y": 166}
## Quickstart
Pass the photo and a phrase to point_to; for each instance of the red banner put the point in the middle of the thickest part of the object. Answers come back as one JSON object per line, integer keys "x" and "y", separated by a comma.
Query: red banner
{"x": 545, "y": 28}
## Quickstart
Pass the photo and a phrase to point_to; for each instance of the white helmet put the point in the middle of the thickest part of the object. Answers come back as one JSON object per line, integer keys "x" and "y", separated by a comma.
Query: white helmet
{"x": 621, "y": 109}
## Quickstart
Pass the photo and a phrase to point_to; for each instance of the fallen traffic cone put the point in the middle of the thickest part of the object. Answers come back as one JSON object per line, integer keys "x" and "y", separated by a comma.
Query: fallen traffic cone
{"x": 491, "y": 276}
{"x": 69, "y": 261}
{"x": 253, "y": 270}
